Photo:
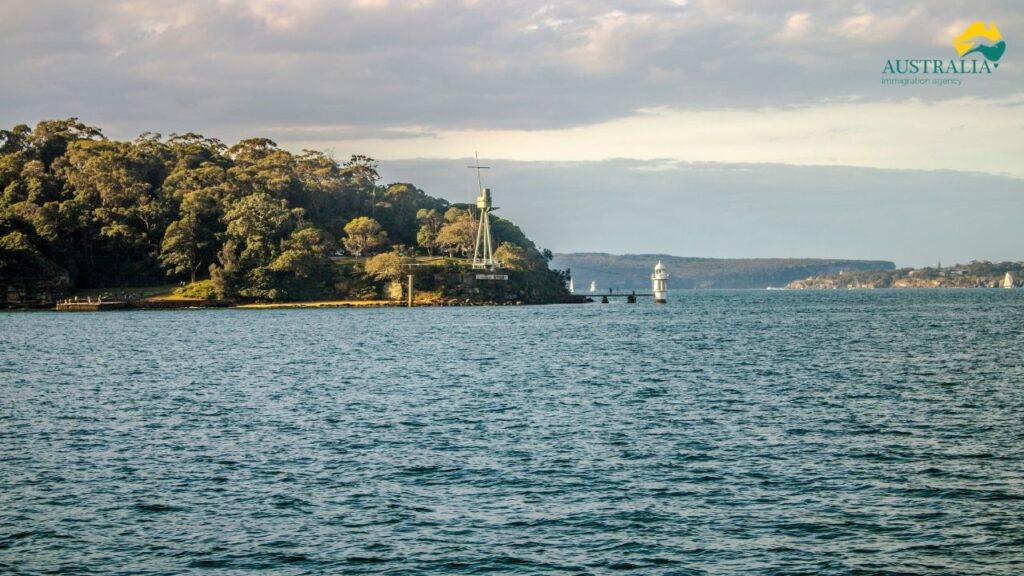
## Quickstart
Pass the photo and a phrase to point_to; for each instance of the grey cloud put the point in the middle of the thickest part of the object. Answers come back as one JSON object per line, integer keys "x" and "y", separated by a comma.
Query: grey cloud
{"x": 230, "y": 68}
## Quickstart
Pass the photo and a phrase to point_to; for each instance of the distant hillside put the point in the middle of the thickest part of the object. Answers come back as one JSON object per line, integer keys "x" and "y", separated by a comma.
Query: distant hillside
{"x": 631, "y": 271}
{"x": 977, "y": 274}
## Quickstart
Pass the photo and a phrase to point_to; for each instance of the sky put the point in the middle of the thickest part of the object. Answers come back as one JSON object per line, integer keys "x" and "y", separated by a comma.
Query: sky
{"x": 730, "y": 128}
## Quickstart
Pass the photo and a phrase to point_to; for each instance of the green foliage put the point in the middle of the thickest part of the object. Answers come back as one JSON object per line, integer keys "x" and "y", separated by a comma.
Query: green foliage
{"x": 258, "y": 223}
{"x": 387, "y": 267}
{"x": 458, "y": 234}
{"x": 25, "y": 269}
{"x": 201, "y": 290}
{"x": 79, "y": 211}
{"x": 227, "y": 276}
{"x": 430, "y": 221}
{"x": 398, "y": 209}
{"x": 306, "y": 256}
{"x": 190, "y": 241}
{"x": 513, "y": 257}
{"x": 364, "y": 236}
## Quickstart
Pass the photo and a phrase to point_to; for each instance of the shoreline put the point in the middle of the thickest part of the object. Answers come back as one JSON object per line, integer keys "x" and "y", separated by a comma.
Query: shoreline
{"x": 185, "y": 304}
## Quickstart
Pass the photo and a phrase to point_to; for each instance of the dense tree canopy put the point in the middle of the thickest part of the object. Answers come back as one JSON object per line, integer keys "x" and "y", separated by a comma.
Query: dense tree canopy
{"x": 458, "y": 234}
{"x": 78, "y": 210}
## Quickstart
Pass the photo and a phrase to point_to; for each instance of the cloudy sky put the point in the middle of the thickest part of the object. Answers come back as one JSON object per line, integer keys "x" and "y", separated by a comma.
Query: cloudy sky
{"x": 705, "y": 128}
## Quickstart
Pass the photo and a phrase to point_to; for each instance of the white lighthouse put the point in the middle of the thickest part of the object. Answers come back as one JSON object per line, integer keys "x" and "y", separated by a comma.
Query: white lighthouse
{"x": 659, "y": 283}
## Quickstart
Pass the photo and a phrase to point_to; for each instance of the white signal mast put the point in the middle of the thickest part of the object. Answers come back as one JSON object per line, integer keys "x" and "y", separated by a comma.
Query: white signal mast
{"x": 483, "y": 253}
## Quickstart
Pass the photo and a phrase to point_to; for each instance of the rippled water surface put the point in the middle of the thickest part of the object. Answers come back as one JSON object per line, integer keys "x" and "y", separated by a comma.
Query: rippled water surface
{"x": 765, "y": 432}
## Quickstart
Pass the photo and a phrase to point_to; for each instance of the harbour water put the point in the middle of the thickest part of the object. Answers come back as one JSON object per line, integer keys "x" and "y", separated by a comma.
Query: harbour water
{"x": 727, "y": 431}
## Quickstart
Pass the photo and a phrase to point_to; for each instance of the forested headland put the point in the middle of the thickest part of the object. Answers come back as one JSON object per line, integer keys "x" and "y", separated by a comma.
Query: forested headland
{"x": 247, "y": 222}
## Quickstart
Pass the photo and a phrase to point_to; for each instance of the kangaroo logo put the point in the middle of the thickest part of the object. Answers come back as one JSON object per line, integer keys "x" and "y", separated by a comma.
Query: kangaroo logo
{"x": 970, "y": 41}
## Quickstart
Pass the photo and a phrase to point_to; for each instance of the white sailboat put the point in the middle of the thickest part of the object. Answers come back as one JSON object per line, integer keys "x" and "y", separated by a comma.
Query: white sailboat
{"x": 1008, "y": 280}
{"x": 572, "y": 289}
{"x": 593, "y": 285}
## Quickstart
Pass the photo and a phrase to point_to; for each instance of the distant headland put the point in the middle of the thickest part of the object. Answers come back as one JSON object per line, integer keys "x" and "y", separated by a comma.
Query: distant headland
{"x": 978, "y": 274}
{"x": 628, "y": 271}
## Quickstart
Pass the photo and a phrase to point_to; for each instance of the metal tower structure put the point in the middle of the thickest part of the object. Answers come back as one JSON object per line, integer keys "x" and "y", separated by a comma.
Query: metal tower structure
{"x": 483, "y": 251}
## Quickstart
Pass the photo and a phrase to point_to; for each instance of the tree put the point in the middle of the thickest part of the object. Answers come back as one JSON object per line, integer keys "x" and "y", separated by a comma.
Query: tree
{"x": 361, "y": 176}
{"x": 192, "y": 150}
{"x": 387, "y": 267}
{"x": 263, "y": 168}
{"x": 198, "y": 190}
{"x": 24, "y": 267}
{"x": 323, "y": 190}
{"x": 361, "y": 171}
{"x": 190, "y": 241}
{"x": 120, "y": 208}
{"x": 51, "y": 138}
{"x": 15, "y": 139}
{"x": 364, "y": 236}
{"x": 399, "y": 207}
{"x": 303, "y": 269}
{"x": 226, "y": 276}
{"x": 306, "y": 255}
{"x": 430, "y": 221}
{"x": 513, "y": 257}
{"x": 258, "y": 223}
{"x": 458, "y": 234}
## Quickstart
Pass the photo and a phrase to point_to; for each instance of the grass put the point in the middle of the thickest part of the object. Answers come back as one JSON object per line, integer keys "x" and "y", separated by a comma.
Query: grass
{"x": 172, "y": 296}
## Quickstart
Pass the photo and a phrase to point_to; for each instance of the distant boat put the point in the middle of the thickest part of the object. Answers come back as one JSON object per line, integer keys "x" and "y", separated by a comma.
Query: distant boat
{"x": 572, "y": 289}
{"x": 1008, "y": 280}
{"x": 593, "y": 285}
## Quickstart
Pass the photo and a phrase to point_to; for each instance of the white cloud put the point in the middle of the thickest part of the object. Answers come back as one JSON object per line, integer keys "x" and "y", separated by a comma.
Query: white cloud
{"x": 797, "y": 26}
{"x": 871, "y": 27}
{"x": 857, "y": 26}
